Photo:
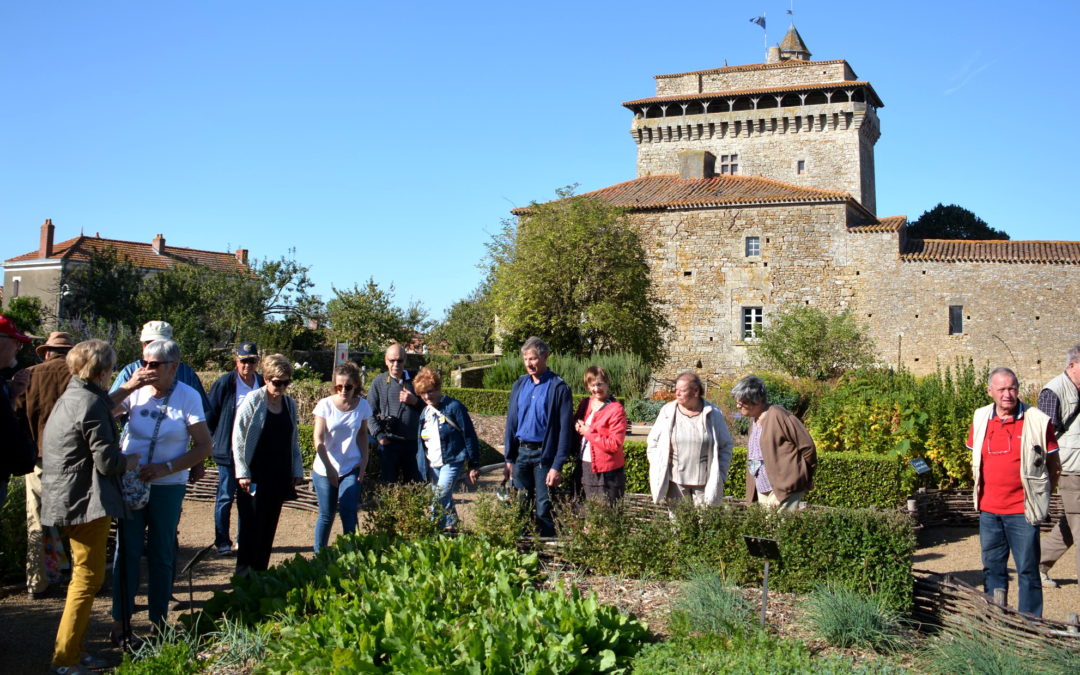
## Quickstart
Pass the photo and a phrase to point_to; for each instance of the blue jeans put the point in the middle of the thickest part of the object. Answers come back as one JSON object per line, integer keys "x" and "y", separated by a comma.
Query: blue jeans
{"x": 443, "y": 481}
{"x": 343, "y": 500}
{"x": 529, "y": 476}
{"x": 155, "y": 524}
{"x": 226, "y": 494}
{"x": 998, "y": 535}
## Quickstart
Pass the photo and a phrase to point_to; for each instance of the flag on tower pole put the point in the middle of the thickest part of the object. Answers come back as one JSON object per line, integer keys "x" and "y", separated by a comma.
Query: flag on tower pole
{"x": 760, "y": 20}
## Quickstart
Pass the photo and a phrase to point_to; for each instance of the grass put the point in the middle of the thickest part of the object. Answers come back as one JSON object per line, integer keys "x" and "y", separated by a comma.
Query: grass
{"x": 845, "y": 619}
{"x": 708, "y": 604}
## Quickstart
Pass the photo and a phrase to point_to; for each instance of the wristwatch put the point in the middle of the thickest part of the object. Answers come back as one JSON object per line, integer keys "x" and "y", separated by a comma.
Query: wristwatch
{"x": 168, "y": 465}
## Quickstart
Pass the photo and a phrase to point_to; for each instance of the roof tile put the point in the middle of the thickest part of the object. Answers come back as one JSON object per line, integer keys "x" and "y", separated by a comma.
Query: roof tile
{"x": 887, "y": 224}
{"x": 754, "y": 66}
{"x": 141, "y": 254}
{"x": 843, "y": 84}
{"x": 964, "y": 250}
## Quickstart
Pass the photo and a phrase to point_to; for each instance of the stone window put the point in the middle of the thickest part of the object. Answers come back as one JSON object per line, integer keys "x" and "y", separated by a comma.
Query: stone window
{"x": 751, "y": 322}
{"x": 729, "y": 164}
{"x": 800, "y": 167}
{"x": 753, "y": 246}
{"x": 956, "y": 319}
{"x": 15, "y": 286}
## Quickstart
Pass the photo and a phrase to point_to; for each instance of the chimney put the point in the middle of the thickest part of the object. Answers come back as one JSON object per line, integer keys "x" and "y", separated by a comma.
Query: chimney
{"x": 159, "y": 245}
{"x": 242, "y": 256}
{"x": 696, "y": 164}
{"x": 773, "y": 55}
{"x": 46, "y": 248}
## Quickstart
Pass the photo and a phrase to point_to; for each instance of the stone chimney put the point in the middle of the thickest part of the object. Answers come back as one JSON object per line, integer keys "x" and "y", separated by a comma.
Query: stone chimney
{"x": 696, "y": 164}
{"x": 159, "y": 245}
{"x": 46, "y": 247}
{"x": 773, "y": 55}
{"x": 242, "y": 256}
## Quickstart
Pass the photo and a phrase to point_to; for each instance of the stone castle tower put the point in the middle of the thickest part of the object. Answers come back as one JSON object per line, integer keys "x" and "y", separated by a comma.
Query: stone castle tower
{"x": 807, "y": 123}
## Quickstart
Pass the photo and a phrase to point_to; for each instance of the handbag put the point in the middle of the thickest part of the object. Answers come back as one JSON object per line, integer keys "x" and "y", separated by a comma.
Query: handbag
{"x": 135, "y": 490}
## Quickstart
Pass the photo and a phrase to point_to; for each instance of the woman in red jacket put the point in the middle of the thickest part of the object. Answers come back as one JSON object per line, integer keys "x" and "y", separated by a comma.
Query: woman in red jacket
{"x": 601, "y": 423}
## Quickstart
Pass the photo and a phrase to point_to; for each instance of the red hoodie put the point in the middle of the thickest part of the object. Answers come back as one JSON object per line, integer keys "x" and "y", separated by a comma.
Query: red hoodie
{"x": 606, "y": 434}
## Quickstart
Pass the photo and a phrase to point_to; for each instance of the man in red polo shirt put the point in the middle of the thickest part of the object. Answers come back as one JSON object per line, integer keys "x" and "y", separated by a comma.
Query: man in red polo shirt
{"x": 1015, "y": 464}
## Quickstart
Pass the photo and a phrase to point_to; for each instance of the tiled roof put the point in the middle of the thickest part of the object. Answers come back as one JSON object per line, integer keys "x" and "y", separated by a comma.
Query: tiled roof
{"x": 666, "y": 192}
{"x": 843, "y": 84}
{"x": 754, "y": 66}
{"x": 961, "y": 250}
{"x": 887, "y": 224}
{"x": 141, "y": 253}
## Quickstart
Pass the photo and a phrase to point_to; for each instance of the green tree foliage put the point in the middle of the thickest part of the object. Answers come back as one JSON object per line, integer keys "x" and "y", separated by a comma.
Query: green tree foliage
{"x": 27, "y": 312}
{"x": 952, "y": 222}
{"x": 574, "y": 272}
{"x": 106, "y": 286}
{"x": 468, "y": 327}
{"x": 809, "y": 342}
{"x": 366, "y": 316}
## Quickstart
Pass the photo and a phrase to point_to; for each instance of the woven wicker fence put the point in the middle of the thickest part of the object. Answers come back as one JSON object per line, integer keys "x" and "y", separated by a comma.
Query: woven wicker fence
{"x": 955, "y": 507}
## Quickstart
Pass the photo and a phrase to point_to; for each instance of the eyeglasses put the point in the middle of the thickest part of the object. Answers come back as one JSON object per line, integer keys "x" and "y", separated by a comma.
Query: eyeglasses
{"x": 249, "y": 361}
{"x": 343, "y": 387}
{"x": 281, "y": 384}
{"x": 153, "y": 365}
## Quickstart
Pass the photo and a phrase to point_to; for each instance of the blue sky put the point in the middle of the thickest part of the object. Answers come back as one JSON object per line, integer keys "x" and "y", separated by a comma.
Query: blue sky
{"x": 351, "y": 130}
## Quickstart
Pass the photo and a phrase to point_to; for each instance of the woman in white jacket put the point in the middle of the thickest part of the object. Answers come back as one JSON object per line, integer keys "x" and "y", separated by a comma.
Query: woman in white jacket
{"x": 689, "y": 447}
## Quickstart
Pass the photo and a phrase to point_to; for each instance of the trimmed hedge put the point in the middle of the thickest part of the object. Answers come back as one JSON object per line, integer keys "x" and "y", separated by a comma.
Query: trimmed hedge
{"x": 481, "y": 401}
{"x": 865, "y": 550}
{"x": 843, "y": 479}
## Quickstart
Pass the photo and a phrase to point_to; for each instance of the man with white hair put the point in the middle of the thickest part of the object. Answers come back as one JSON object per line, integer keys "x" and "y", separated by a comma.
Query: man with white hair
{"x": 1060, "y": 400}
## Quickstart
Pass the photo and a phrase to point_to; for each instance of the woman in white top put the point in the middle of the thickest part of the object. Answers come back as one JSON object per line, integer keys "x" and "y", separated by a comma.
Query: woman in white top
{"x": 689, "y": 447}
{"x": 165, "y": 417}
{"x": 341, "y": 453}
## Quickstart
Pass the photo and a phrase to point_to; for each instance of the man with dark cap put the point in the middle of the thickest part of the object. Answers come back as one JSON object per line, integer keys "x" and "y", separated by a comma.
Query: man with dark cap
{"x": 48, "y": 380}
{"x": 17, "y": 450}
{"x": 225, "y": 396}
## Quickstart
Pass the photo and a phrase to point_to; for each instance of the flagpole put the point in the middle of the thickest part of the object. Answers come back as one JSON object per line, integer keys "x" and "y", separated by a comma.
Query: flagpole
{"x": 765, "y": 36}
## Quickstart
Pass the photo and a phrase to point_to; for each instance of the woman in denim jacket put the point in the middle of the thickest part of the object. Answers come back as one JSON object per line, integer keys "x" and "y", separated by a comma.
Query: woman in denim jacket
{"x": 446, "y": 441}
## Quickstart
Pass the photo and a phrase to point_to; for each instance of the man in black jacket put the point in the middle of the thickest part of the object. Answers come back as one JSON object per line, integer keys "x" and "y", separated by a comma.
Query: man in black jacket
{"x": 396, "y": 420}
{"x": 225, "y": 396}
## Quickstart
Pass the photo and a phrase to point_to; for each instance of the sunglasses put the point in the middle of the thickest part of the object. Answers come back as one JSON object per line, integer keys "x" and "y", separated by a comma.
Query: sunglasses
{"x": 249, "y": 361}
{"x": 153, "y": 365}
{"x": 343, "y": 387}
{"x": 281, "y": 384}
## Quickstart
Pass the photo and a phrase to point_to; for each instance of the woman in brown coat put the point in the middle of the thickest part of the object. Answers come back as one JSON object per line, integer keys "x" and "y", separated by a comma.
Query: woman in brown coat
{"x": 781, "y": 457}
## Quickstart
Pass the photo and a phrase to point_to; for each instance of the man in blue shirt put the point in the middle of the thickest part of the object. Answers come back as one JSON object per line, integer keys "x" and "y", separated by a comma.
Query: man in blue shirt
{"x": 539, "y": 431}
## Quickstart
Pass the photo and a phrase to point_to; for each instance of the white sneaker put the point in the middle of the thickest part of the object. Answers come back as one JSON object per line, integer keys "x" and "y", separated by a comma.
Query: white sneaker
{"x": 1047, "y": 582}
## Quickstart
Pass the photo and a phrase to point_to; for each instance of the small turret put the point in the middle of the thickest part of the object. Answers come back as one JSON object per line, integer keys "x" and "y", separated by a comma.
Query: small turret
{"x": 793, "y": 47}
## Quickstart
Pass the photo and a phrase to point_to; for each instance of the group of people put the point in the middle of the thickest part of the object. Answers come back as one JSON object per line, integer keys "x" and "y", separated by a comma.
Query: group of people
{"x": 61, "y": 418}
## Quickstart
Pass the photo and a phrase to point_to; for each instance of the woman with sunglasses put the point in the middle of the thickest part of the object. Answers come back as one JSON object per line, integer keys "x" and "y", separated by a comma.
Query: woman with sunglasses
{"x": 165, "y": 418}
{"x": 341, "y": 441}
{"x": 266, "y": 449}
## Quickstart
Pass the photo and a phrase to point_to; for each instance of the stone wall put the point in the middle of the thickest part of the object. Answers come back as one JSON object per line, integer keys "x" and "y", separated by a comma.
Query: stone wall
{"x": 1019, "y": 315}
{"x": 760, "y": 76}
{"x": 836, "y": 142}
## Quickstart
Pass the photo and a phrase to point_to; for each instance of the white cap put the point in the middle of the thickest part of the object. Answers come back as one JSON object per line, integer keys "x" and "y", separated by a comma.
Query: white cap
{"x": 156, "y": 330}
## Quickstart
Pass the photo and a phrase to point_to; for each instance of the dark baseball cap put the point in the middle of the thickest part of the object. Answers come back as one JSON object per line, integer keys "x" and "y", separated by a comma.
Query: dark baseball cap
{"x": 246, "y": 349}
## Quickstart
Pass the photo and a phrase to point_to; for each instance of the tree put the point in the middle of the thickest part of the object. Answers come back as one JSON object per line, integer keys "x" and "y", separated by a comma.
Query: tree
{"x": 367, "y": 316}
{"x": 106, "y": 286}
{"x": 808, "y": 342}
{"x": 574, "y": 272}
{"x": 952, "y": 222}
{"x": 468, "y": 327}
{"x": 27, "y": 312}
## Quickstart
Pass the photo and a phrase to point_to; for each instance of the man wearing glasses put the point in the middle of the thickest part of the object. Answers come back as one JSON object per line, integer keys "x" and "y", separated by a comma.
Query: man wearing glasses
{"x": 225, "y": 396}
{"x": 1015, "y": 464}
{"x": 154, "y": 330}
{"x": 396, "y": 421}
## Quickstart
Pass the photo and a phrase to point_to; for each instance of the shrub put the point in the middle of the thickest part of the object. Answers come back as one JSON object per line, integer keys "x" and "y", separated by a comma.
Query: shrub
{"x": 643, "y": 410}
{"x": 843, "y": 479}
{"x": 864, "y": 550}
{"x": 13, "y": 530}
{"x": 813, "y": 343}
{"x": 407, "y": 511}
{"x": 499, "y": 522}
{"x": 629, "y": 374}
{"x": 708, "y": 604}
{"x": 848, "y": 619}
{"x": 481, "y": 401}
{"x": 899, "y": 415}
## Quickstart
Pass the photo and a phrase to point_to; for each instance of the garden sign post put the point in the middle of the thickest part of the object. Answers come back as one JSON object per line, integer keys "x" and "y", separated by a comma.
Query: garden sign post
{"x": 769, "y": 549}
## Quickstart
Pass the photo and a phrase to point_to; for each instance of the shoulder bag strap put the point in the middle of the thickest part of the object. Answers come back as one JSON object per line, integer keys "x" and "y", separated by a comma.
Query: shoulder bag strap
{"x": 1058, "y": 433}
{"x": 157, "y": 424}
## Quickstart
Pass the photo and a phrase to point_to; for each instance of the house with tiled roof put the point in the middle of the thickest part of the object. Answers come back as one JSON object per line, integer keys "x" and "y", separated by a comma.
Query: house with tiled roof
{"x": 756, "y": 190}
{"x": 41, "y": 273}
